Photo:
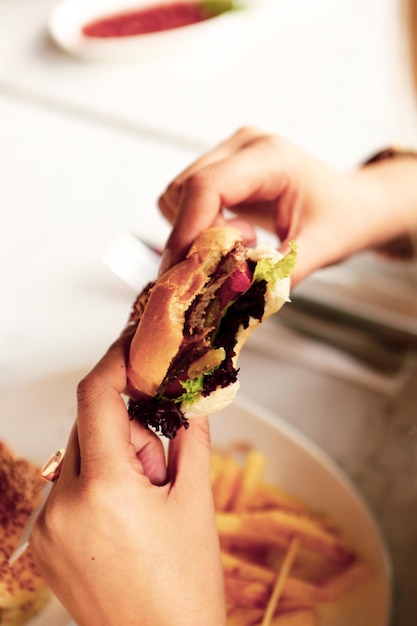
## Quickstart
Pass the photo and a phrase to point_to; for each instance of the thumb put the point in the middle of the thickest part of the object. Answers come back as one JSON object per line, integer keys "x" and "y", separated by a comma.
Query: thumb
{"x": 102, "y": 420}
{"x": 189, "y": 456}
{"x": 109, "y": 444}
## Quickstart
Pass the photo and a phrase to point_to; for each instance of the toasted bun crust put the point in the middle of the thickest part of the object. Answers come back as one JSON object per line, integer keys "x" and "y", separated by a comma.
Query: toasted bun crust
{"x": 23, "y": 592}
{"x": 159, "y": 332}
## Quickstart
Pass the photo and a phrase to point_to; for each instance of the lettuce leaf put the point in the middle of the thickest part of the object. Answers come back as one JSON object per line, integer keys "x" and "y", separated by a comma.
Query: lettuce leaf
{"x": 269, "y": 270}
{"x": 192, "y": 389}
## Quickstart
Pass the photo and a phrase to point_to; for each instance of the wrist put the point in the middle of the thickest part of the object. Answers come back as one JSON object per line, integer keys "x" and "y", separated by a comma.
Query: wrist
{"x": 387, "y": 181}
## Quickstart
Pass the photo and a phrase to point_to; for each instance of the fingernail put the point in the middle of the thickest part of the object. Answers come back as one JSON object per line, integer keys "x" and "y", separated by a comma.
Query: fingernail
{"x": 52, "y": 468}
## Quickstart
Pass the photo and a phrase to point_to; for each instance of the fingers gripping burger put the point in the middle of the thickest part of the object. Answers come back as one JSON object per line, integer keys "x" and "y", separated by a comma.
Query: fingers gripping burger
{"x": 191, "y": 324}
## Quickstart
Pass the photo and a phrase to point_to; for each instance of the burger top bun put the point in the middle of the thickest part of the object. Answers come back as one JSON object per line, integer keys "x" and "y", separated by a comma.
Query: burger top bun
{"x": 159, "y": 333}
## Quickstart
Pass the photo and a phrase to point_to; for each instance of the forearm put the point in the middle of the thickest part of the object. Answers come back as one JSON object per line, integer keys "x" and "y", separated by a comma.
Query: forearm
{"x": 390, "y": 208}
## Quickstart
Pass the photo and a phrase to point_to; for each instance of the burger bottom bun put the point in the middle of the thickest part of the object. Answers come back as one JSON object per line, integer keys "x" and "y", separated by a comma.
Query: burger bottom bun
{"x": 215, "y": 402}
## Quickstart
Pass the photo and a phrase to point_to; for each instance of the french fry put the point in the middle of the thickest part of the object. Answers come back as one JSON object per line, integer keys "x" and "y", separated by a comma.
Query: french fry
{"x": 248, "y": 481}
{"x": 216, "y": 466}
{"x": 300, "y": 592}
{"x": 295, "y": 617}
{"x": 296, "y": 592}
{"x": 286, "y": 606}
{"x": 238, "y": 567}
{"x": 225, "y": 484}
{"x": 350, "y": 578}
{"x": 244, "y": 617}
{"x": 301, "y": 617}
{"x": 276, "y": 527}
{"x": 268, "y": 497}
{"x": 261, "y": 528}
{"x": 310, "y": 566}
{"x": 246, "y": 594}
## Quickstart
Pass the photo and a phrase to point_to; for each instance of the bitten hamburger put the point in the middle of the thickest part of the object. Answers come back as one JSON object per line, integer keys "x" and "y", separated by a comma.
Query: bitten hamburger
{"x": 191, "y": 325}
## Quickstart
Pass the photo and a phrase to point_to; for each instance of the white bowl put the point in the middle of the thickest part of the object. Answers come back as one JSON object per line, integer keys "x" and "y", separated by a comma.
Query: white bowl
{"x": 298, "y": 466}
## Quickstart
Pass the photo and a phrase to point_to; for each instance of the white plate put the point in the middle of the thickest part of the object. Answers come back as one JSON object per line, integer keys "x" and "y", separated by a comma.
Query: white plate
{"x": 36, "y": 419}
{"x": 371, "y": 290}
{"x": 69, "y": 16}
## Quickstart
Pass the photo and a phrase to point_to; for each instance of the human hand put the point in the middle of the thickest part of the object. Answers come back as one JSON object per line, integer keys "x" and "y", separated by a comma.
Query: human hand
{"x": 267, "y": 181}
{"x": 125, "y": 539}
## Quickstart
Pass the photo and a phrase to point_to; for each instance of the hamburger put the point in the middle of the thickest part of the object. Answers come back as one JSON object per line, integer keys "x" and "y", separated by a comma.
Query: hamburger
{"x": 191, "y": 324}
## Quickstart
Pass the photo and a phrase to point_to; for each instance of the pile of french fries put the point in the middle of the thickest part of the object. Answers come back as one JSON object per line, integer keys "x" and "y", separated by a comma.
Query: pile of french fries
{"x": 282, "y": 562}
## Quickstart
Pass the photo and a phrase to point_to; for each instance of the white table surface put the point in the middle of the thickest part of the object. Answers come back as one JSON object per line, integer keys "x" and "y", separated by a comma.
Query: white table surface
{"x": 85, "y": 149}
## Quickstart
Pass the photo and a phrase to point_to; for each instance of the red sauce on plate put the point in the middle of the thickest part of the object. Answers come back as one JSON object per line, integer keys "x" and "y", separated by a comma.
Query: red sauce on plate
{"x": 150, "y": 19}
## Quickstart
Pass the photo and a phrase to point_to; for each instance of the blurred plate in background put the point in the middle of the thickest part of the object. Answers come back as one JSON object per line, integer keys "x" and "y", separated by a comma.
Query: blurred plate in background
{"x": 69, "y": 17}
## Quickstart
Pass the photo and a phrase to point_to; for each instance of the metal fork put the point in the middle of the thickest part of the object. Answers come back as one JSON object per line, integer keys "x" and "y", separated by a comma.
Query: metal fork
{"x": 133, "y": 260}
